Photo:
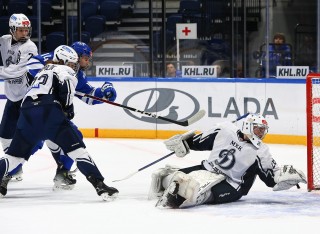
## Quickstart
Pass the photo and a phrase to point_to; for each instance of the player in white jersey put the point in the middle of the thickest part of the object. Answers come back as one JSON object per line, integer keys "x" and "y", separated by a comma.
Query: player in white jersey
{"x": 64, "y": 177}
{"x": 16, "y": 49}
{"x": 236, "y": 158}
{"x": 46, "y": 111}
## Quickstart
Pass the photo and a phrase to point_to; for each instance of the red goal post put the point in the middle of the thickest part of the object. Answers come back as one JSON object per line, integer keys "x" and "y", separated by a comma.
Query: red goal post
{"x": 313, "y": 130}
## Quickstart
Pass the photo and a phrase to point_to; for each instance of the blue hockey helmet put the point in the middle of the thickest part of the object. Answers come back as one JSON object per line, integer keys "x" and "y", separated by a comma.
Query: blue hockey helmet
{"x": 82, "y": 49}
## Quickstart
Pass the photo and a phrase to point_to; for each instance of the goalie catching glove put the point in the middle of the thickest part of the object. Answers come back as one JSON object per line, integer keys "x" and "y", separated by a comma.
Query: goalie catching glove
{"x": 178, "y": 143}
{"x": 109, "y": 91}
{"x": 288, "y": 177}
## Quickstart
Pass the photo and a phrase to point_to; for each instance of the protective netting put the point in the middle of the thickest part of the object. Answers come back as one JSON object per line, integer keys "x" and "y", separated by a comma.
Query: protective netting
{"x": 315, "y": 138}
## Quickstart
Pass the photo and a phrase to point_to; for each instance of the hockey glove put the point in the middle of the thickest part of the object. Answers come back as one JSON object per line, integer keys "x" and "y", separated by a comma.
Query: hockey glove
{"x": 108, "y": 91}
{"x": 69, "y": 112}
{"x": 178, "y": 143}
{"x": 288, "y": 177}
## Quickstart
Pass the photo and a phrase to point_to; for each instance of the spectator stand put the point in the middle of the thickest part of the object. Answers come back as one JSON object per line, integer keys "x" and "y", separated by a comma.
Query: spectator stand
{"x": 305, "y": 46}
{"x": 279, "y": 55}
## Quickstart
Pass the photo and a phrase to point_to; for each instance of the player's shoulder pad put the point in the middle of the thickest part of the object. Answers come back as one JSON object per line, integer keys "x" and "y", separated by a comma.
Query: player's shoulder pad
{"x": 29, "y": 47}
{"x": 227, "y": 126}
{"x": 66, "y": 73}
{"x": 64, "y": 69}
{"x": 6, "y": 37}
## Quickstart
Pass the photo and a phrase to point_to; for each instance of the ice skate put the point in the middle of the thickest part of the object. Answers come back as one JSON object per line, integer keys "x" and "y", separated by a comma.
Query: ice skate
{"x": 64, "y": 179}
{"x": 18, "y": 175}
{"x": 107, "y": 193}
{"x": 4, "y": 185}
{"x": 170, "y": 196}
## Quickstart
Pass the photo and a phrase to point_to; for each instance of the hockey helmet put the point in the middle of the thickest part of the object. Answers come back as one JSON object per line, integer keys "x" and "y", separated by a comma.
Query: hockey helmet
{"x": 68, "y": 55}
{"x": 82, "y": 49}
{"x": 255, "y": 127}
{"x": 19, "y": 21}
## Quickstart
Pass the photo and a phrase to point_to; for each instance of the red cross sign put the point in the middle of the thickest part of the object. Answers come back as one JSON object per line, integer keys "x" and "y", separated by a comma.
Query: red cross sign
{"x": 187, "y": 31}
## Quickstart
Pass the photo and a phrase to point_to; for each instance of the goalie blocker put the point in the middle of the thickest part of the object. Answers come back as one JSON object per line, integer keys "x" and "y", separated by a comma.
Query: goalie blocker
{"x": 237, "y": 157}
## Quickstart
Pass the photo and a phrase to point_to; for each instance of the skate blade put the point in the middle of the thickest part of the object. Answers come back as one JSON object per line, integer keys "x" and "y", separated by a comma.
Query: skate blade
{"x": 108, "y": 198}
{"x": 59, "y": 187}
{"x": 16, "y": 179}
{"x": 162, "y": 202}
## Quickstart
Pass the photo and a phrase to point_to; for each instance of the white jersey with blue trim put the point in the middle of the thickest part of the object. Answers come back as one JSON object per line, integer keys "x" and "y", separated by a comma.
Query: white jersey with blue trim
{"x": 44, "y": 81}
{"x": 15, "y": 56}
{"x": 236, "y": 158}
{"x": 36, "y": 63}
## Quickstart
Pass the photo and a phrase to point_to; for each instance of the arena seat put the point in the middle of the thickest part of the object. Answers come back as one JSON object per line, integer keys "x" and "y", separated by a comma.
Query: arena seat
{"x": 54, "y": 39}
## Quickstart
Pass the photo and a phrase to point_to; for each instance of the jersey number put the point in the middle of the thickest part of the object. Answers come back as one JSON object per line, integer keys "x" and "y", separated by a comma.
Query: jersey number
{"x": 41, "y": 80}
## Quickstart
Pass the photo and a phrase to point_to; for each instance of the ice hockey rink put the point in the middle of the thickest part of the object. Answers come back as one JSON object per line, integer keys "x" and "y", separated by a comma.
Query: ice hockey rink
{"x": 32, "y": 207}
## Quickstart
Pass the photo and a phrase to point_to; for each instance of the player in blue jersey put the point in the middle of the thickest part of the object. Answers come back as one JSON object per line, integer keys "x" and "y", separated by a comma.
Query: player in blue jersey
{"x": 45, "y": 113}
{"x": 64, "y": 178}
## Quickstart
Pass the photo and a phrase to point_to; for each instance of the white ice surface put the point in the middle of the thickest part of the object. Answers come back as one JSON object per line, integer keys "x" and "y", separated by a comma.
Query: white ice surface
{"x": 32, "y": 207}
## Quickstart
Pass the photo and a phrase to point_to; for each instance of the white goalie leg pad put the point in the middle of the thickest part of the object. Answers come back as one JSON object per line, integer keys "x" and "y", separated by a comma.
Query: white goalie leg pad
{"x": 12, "y": 162}
{"x": 288, "y": 177}
{"x": 156, "y": 188}
{"x": 187, "y": 184}
{"x": 79, "y": 153}
{"x": 206, "y": 181}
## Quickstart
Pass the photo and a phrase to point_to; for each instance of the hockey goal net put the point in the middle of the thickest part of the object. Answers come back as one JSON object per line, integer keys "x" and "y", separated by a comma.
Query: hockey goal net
{"x": 313, "y": 130}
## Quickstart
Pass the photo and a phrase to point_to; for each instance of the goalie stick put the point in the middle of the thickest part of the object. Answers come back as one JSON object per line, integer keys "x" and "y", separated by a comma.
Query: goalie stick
{"x": 166, "y": 156}
{"x": 187, "y": 122}
{"x": 241, "y": 117}
{"x": 146, "y": 166}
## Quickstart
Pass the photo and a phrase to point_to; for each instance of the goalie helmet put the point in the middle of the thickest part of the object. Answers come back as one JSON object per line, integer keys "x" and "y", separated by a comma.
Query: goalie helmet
{"x": 255, "y": 127}
{"x": 19, "y": 21}
{"x": 67, "y": 55}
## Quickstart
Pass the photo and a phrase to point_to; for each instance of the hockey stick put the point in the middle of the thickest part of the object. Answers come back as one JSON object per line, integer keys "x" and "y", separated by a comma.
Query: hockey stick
{"x": 146, "y": 166}
{"x": 168, "y": 155}
{"x": 241, "y": 117}
{"x": 187, "y": 122}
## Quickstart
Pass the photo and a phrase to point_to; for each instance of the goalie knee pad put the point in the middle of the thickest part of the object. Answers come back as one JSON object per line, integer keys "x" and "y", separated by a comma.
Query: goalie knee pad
{"x": 188, "y": 186}
{"x": 156, "y": 188}
{"x": 181, "y": 187}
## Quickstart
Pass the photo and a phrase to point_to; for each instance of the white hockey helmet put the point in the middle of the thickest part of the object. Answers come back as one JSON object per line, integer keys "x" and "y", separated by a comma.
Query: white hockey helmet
{"x": 255, "y": 127}
{"x": 68, "y": 55}
{"x": 19, "y": 21}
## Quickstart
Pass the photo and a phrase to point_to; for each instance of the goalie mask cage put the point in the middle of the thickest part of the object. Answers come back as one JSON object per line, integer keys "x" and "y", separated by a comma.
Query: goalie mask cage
{"x": 313, "y": 130}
